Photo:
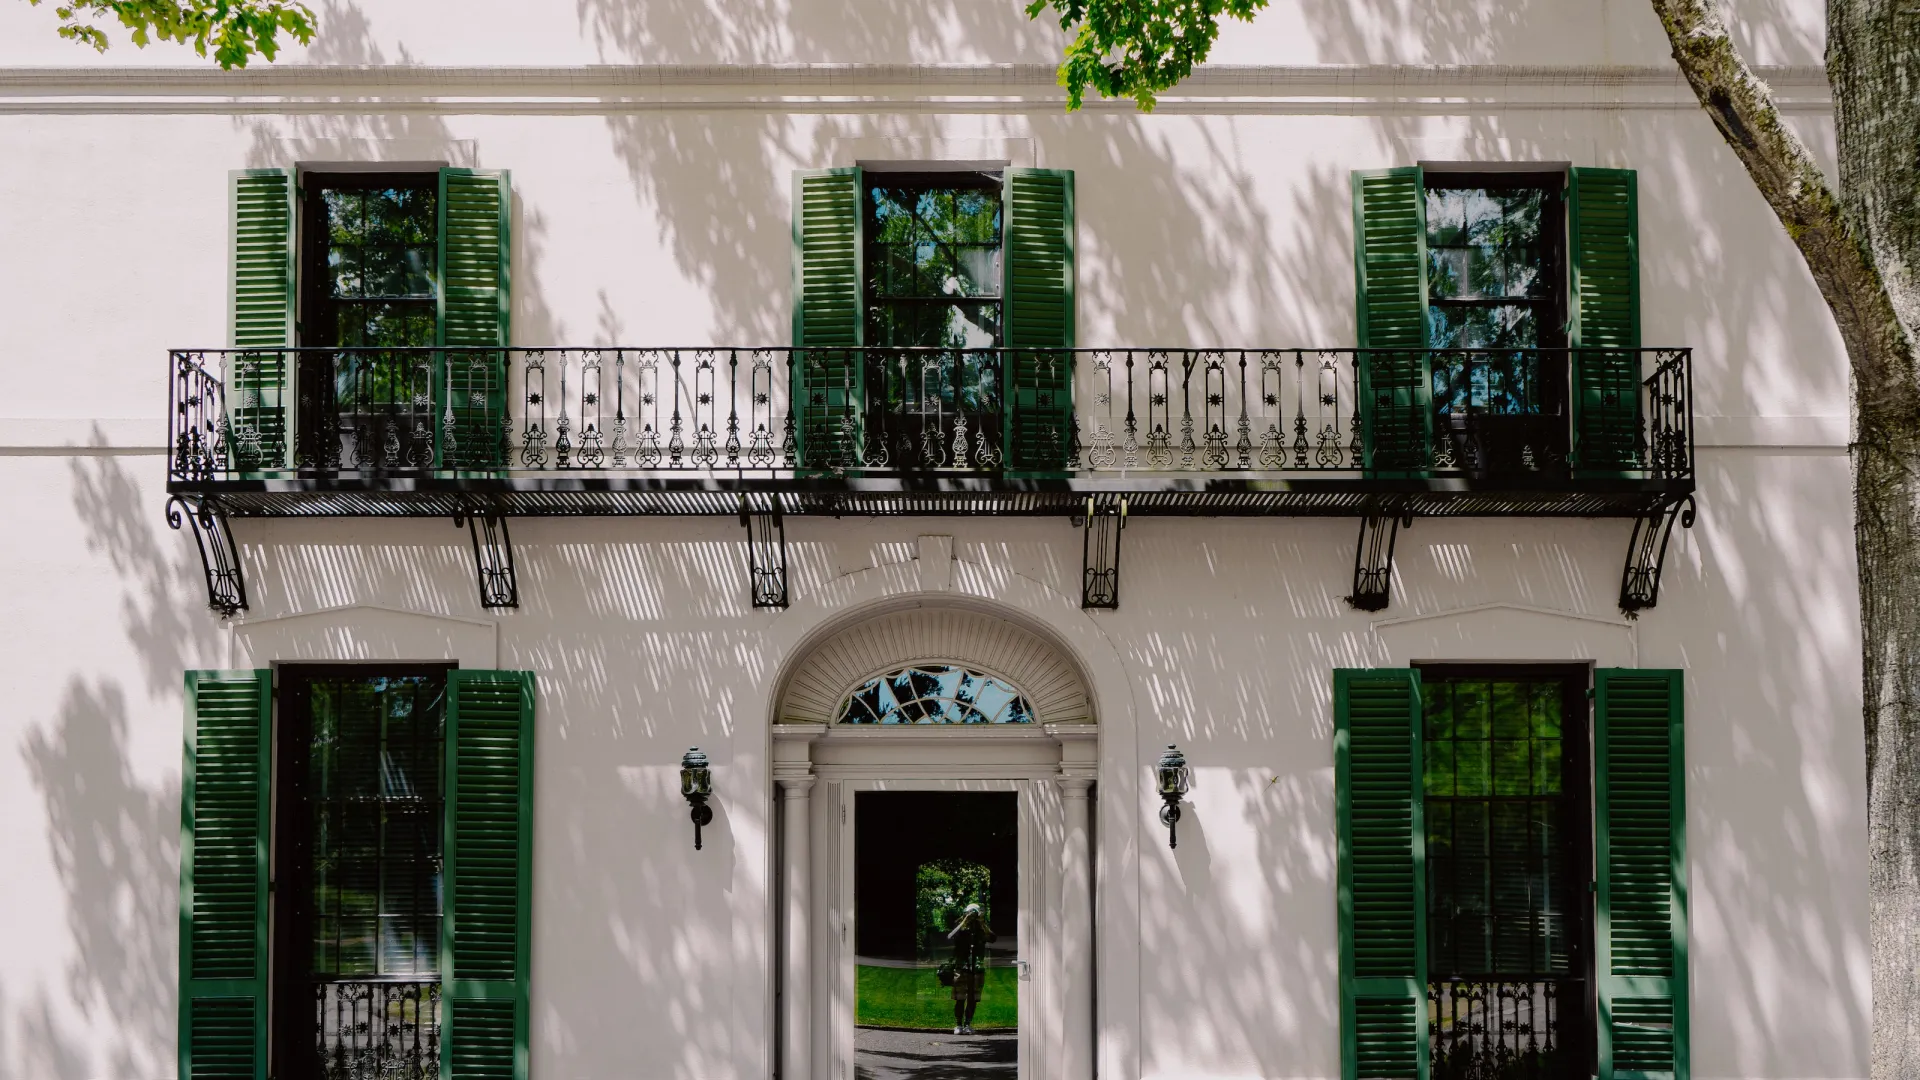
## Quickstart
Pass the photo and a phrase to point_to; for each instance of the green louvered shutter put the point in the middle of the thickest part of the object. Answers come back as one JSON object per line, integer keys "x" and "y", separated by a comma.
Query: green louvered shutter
{"x": 223, "y": 876}
{"x": 489, "y": 853}
{"x": 830, "y": 379}
{"x": 1039, "y": 320}
{"x": 261, "y": 318}
{"x": 1382, "y": 874}
{"x": 475, "y": 301}
{"x": 1604, "y": 326}
{"x": 1390, "y": 272}
{"x": 1640, "y": 810}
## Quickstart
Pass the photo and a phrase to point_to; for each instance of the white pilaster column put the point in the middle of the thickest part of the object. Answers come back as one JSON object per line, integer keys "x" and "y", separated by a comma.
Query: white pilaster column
{"x": 796, "y": 975}
{"x": 1076, "y": 945}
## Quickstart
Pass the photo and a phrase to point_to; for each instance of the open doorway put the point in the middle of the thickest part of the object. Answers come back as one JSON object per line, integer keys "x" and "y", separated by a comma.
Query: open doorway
{"x": 937, "y": 957}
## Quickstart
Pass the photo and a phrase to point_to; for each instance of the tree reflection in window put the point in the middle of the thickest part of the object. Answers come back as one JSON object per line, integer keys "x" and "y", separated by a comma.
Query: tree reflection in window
{"x": 936, "y": 694}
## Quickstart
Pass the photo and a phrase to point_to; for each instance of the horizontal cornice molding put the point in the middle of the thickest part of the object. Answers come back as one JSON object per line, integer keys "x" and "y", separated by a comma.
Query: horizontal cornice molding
{"x": 1302, "y": 89}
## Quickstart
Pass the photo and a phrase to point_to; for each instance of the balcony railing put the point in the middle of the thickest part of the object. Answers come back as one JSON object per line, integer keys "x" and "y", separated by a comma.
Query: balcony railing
{"x": 895, "y": 412}
{"x": 377, "y": 1030}
{"x": 1521, "y": 1030}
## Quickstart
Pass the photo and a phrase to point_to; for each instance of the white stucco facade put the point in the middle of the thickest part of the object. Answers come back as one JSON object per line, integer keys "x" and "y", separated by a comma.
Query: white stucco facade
{"x": 651, "y": 205}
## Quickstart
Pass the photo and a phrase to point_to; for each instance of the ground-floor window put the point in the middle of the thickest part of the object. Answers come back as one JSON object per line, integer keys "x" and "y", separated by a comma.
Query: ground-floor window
{"x": 1508, "y": 820}
{"x": 359, "y": 799}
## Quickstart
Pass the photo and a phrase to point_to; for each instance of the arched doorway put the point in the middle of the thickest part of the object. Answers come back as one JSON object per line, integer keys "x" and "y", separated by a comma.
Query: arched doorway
{"x": 931, "y": 757}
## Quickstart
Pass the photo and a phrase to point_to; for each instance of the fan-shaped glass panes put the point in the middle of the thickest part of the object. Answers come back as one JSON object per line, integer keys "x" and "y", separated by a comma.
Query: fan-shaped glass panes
{"x": 936, "y": 694}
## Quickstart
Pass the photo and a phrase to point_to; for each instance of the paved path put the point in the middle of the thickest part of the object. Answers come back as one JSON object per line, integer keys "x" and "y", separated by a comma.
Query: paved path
{"x": 879, "y": 1054}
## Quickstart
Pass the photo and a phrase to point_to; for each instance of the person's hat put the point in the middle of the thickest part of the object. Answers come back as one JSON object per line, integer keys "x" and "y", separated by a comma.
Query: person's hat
{"x": 973, "y": 909}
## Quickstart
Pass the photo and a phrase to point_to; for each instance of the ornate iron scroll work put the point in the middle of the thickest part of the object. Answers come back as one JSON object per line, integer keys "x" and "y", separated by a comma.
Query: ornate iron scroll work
{"x": 492, "y": 559}
{"x": 1103, "y": 521}
{"x": 219, "y": 558}
{"x": 1647, "y": 554}
{"x": 766, "y": 553}
{"x": 1373, "y": 559}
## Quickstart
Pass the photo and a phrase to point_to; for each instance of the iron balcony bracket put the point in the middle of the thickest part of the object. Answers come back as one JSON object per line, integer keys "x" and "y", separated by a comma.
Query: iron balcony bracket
{"x": 1104, "y": 519}
{"x": 766, "y": 552}
{"x": 219, "y": 558}
{"x": 1373, "y": 558}
{"x": 1647, "y": 553}
{"x": 492, "y": 558}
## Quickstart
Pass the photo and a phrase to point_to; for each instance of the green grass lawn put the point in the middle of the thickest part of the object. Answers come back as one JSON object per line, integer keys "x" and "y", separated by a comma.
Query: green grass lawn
{"x": 914, "y": 998}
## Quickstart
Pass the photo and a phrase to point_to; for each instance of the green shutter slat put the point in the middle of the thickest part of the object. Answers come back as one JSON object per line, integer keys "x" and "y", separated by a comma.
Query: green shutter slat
{"x": 260, "y": 314}
{"x": 827, "y": 320}
{"x": 1390, "y": 275}
{"x": 223, "y": 875}
{"x": 489, "y": 843}
{"x": 1604, "y": 323}
{"x": 1640, "y": 860}
{"x": 475, "y": 303}
{"x": 1382, "y": 900}
{"x": 1039, "y": 320}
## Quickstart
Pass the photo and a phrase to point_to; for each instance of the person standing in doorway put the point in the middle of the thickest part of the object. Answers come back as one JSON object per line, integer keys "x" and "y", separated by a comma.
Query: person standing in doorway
{"x": 970, "y": 940}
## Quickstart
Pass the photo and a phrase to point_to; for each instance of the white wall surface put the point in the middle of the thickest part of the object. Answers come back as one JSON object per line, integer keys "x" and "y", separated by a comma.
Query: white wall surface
{"x": 1557, "y": 32}
{"x": 660, "y": 216}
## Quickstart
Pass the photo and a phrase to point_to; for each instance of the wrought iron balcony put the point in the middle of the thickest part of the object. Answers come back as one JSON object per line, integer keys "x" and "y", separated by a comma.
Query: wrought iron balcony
{"x": 568, "y": 431}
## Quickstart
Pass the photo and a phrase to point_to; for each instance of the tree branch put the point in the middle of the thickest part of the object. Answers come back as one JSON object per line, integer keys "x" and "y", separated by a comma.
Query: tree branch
{"x": 1742, "y": 108}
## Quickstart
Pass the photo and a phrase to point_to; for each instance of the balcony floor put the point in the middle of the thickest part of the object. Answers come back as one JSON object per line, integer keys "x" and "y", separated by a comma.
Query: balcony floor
{"x": 932, "y": 495}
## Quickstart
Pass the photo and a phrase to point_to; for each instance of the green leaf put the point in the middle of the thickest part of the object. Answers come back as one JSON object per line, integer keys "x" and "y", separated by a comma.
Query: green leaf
{"x": 1137, "y": 48}
{"x": 238, "y": 29}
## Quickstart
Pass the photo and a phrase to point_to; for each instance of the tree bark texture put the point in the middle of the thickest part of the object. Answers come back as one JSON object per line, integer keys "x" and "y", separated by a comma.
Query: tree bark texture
{"x": 1863, "y": 246}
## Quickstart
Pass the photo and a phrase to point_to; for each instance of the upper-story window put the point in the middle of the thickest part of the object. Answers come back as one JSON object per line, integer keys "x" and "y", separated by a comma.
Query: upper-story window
{"x": 369, "y": 260}
{"x": 1495, "y": 276}
{"x": 933, "y": 282}
{"x": 971, "y": 271}
{"x": 933, "y": 260}
{"x": 1496, "y": 281}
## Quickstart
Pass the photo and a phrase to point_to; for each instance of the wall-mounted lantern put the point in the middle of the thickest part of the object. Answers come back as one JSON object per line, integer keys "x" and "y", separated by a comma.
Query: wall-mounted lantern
{"x": 1175, "y": 780}
{"x": 696, "y": 783}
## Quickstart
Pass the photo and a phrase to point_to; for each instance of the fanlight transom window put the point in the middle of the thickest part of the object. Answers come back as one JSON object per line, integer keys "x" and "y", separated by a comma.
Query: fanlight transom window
{"x": 936, "y": 694}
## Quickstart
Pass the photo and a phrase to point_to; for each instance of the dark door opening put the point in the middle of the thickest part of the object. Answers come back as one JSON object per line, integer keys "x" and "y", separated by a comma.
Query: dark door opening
{"x": 357, "y": 899}
{"x": 936, "y": 917}
{"x": 1508, "y": 822}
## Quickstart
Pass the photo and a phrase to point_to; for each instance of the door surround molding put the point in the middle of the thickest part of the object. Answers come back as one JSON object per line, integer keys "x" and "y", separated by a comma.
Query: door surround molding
{"x": 1105, "y": 761}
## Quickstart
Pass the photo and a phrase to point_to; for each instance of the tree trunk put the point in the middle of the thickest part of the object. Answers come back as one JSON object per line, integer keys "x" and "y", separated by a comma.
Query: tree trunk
{"x": 1863, "y": 247}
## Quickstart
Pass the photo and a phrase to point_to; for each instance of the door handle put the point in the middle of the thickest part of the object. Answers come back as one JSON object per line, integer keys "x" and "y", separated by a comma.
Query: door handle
{"x": 1025, "y": 971}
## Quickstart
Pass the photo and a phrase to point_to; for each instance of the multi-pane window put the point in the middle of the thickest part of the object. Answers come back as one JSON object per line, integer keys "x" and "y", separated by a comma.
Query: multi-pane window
{"x": 359, "y": 844}
{"x": 936, "y": 694}
{"x": 1495, "y": 285}
{"x": 369, "y": 260}
{"x": 933, "y": 286}
{"x": 369, "y": 282}
{"x": 933, "y": 260}
{"x": 1504, "y": 757}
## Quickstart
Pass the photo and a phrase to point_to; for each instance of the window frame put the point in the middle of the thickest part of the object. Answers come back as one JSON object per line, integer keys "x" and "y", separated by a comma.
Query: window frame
{"x": 871, "y": 249}
{"x": 311, "y": 236}
{"x": 1577, "y": 696}
{"x": 1550, "y": 333}
{"x": 290, "y": 859}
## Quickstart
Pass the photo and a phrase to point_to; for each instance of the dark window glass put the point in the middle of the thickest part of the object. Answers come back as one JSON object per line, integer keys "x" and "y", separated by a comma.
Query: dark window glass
{"x": 933, "y": 261}
{"x": 360, "y": 797}
{"x": 933, "y": 284}
{"x": 1508, "y": 863}
{"x": 369, "y": 281}
{"x": 370, "y": 262}
{"x": 1495, "y": 282}
{"x": 374, "y": 804}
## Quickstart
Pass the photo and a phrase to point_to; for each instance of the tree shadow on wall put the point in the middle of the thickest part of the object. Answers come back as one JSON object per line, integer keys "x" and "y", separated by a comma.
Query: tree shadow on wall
{"x": 115, "y": 846}
{"x": 163, "y": 594}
